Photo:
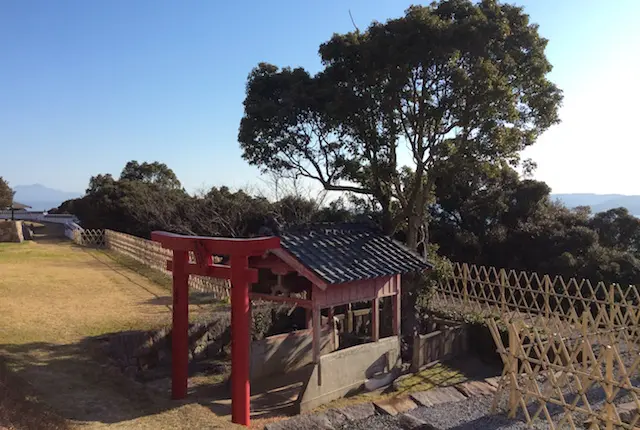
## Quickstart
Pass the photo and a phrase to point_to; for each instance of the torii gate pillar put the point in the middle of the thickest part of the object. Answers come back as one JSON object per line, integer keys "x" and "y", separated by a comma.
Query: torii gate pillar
{"x": 241, "y": 277}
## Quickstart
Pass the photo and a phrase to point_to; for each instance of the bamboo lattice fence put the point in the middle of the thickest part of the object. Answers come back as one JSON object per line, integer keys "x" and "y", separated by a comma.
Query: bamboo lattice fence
{"x": 148, "y": 253}
{"x": 572, "y": 353}
{"x": 510, "y": 293}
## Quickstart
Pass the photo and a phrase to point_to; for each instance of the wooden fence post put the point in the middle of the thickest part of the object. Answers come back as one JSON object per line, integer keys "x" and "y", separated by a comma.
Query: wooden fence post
{"x": 547, "y": 294}
{"x": 513, "y": 370}
{"x": 609, "y": 411}
{"x": 465, "y": 277}
{"x": 503, "y": 293}
{"x": 612, "y": 311}
{"x": 349, "y": 319}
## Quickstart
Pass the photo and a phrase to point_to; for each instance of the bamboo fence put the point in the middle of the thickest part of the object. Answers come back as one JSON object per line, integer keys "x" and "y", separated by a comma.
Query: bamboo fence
{"x": 572, "y": 351}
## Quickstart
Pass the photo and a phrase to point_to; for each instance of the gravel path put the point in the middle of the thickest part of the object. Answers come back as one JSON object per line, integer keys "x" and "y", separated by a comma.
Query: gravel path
{"x": 470, "y": 414}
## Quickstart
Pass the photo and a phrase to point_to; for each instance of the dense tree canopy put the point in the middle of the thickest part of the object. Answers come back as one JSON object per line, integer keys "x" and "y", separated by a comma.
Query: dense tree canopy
{"x": 6, "y": 194}
{"x": 450, "y": 79}
{"x": 151, "y": 173}
{"x": 483, "y": 214}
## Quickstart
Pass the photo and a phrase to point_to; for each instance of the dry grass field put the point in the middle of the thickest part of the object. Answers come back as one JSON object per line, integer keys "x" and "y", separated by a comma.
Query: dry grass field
{"x": 53, "y": 298}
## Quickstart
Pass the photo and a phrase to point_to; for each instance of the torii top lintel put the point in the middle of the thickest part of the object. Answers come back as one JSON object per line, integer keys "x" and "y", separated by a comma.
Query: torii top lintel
{"x": 215, "y": 245}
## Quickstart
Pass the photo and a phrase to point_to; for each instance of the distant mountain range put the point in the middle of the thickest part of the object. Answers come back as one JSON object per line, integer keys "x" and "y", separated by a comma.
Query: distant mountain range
{"x": 41, "y": 198}
{"x": 601, "y": 202}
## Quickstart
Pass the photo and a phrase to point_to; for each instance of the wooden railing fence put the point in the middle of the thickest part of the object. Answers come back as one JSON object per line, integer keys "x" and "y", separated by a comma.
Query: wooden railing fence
{"x": 148, "y": 253}
{"x": 448, "y": 341}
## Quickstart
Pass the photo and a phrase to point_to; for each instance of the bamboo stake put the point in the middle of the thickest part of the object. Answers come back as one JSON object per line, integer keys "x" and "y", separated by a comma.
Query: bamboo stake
{"x": 547, "y": 293}
{"x": 609, "y": 412}
{"x": 513, "y": 369}
{"x": 503, "y": 295}
{"x": 465, "y": 277}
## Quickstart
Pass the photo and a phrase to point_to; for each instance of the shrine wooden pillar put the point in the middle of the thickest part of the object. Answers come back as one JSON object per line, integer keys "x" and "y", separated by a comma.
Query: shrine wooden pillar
{"x": 375, "y": 319}
{"x": 180, "y": 330}
{"x": 240, "y": 332}
{"x": 397, "y": 306}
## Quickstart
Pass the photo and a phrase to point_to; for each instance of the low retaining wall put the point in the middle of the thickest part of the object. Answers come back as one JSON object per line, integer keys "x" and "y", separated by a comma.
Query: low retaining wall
{"x": 448, "y": 341}
{"x": 346, "y": 370}
{"x": 286, "y": 352}
{"x": 11, "y": 231}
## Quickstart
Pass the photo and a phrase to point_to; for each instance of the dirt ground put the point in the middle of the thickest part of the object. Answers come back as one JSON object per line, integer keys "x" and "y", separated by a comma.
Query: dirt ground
{"x": 54, "y": 297}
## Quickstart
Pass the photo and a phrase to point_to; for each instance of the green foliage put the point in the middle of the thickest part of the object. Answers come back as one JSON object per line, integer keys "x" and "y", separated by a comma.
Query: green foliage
{"x": 151, "y": 173}
{"x": 487, "y": 215}
{"x": 6, "y": 194}
{"x": 144, "y": 202}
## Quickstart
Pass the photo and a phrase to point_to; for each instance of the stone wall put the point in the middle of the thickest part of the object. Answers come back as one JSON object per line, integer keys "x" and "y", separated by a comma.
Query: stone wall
{"x": 344, "y": 371}
{"x": 287, "y": 352}
{"x": 11, "y": 231}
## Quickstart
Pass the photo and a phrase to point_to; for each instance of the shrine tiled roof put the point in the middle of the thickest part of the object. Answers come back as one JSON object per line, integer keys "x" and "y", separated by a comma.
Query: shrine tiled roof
{"x": 346, "y": 252}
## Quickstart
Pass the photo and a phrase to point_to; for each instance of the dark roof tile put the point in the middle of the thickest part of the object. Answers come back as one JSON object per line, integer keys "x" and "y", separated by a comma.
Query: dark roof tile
{"x": 348, "y": 252}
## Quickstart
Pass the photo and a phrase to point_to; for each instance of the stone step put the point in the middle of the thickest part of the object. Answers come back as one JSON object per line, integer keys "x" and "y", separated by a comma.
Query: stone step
{"x": 437, "y": 396}
{"x": 395, "y": 405}
{"x": 476, "y": 388}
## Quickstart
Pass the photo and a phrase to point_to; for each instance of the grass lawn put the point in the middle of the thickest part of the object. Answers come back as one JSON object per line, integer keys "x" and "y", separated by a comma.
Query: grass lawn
{"x": 53, "y": 297}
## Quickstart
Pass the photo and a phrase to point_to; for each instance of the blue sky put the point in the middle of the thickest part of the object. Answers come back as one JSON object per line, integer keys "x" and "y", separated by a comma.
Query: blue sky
{"x": 86, "y": 86}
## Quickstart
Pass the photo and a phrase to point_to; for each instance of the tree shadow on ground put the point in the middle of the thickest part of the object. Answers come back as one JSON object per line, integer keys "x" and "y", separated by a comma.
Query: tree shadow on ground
{"x": 69, "y": 380}
{"x": 79, "y": 383}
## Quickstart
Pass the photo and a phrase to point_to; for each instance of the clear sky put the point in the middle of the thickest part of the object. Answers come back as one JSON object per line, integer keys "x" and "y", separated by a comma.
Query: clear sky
{"x": 86, "y": 86}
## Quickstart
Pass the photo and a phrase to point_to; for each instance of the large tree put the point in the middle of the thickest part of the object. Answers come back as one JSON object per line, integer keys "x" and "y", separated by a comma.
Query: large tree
{"x": 450, "y": 79}
{"x": 6, "y": 194}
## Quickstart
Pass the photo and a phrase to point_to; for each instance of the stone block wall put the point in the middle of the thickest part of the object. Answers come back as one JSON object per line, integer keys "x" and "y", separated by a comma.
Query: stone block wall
{"x": 11, "y": 231}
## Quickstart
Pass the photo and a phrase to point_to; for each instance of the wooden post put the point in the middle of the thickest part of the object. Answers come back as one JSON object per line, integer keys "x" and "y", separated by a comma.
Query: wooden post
{"x": 240, "y": 332}
{"x": 609, "y": 412}
{"x": 316, "y": 341}
{"x": 375, "y": 319}
{"x": 397, "y": 307}
{"x": 513, "y": 370}
{"x": 180, "y": 330}
{"x": 349, "y": 317}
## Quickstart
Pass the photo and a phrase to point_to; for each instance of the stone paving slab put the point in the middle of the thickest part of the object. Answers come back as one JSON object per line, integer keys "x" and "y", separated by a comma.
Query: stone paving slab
{"x": 303, "y": 422}
{"x": 494, "y": 381}
{"x": 413, "y": 423}
{"x": 437, "y": 396}
{"x": 358, "y": 412}
{"x": 395, "y": 405}
{"x": 476, "y": 388}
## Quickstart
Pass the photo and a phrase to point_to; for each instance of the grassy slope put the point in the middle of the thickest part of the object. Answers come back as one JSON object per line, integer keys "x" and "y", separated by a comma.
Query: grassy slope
{"x": 52, "y": 297}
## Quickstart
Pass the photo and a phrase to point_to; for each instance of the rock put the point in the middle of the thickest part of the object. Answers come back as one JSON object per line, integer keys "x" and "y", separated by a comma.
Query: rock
{"x": 476, "y": 388}
{"x": 395, "y": 405}
{"x": 358, "y": 412}
{"x": 131, "y": 371}
{"x": 303, "y": 422}
{"x": 413, "y": 423}
{"x": 438, "y": 396}
{"x": 336, "y": 418}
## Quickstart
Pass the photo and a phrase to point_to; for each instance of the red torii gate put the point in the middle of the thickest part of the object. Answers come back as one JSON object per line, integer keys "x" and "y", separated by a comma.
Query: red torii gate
{"x": 241, "y": 276}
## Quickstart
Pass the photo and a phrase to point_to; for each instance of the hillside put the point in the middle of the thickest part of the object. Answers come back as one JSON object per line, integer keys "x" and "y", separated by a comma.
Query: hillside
{"x": 42, "y": 198}
{"x": 601, "y": 202}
